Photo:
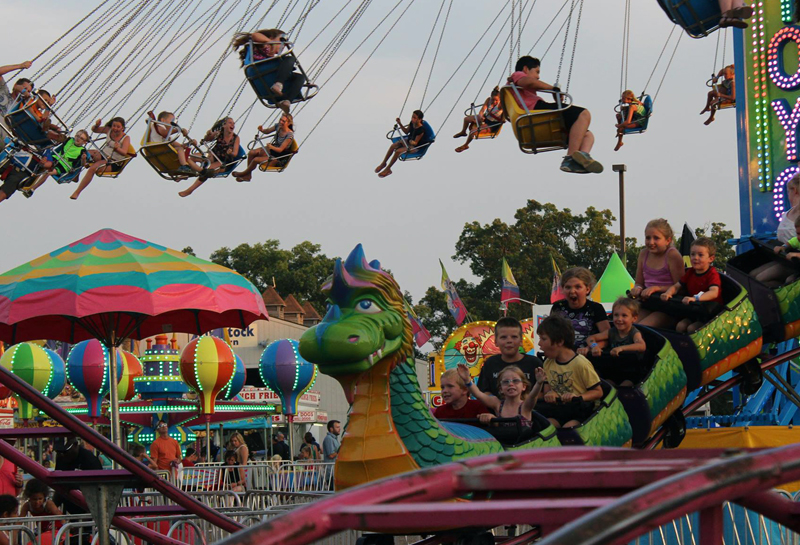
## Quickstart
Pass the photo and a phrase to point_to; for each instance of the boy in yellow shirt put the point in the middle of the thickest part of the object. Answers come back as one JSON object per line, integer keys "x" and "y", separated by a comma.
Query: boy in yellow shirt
{"x": 572, "y": 386}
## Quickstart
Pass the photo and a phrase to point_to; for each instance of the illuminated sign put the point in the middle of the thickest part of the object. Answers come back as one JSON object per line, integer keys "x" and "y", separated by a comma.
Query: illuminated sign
{"x": 770, "y": 65}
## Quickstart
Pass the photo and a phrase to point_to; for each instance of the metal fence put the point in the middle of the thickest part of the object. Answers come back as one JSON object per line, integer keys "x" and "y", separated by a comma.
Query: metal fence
{"x": 741, "y": 527}
{"x": 277, "y": 477}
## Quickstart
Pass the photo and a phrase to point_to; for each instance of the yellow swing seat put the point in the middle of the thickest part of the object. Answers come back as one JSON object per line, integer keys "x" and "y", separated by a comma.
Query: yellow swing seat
{"x": 283, "y": 162}
{"x": 536, "y": 130}
{"x": 114, "y": 168}
{"x": 486, "y": 130}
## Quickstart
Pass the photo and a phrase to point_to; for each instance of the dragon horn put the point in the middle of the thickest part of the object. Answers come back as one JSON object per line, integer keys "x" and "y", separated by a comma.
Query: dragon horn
{"x": 343, "y": 281}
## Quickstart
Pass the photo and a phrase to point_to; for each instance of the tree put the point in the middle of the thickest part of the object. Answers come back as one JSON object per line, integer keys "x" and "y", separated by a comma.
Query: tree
{"x": 299, "y": 271}
{"x": 540, "y": 234}
{"x": 189, "y": 250}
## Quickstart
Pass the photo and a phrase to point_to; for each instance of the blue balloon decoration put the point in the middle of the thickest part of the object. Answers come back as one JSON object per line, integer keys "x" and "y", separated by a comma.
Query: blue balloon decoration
{"x": 287, "y": 373}
{"x": 236, "y": 383}
{"x": 58, "y": 378}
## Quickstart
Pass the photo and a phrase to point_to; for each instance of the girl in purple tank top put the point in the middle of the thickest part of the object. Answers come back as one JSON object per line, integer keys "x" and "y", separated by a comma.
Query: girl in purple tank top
{"x": 659, "y": 266}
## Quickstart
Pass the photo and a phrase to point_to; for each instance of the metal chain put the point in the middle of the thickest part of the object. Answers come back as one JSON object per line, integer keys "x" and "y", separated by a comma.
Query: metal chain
{"x": 646, "y": 85}
{"x": 422, "y": 58}
{"x": 566, "y": 39}
{"x": 411, "y": 3}
{"x": 667, "y": 70}
{"x": 102, "y": 49}
{"x": 436, "y": 53}
{"x": 553, "y": 20}
{"x": 574, "y": 47}
{"x": 101, "y": 89}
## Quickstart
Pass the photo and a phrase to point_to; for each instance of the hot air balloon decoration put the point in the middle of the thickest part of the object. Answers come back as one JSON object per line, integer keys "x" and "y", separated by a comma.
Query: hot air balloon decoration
{"x": 31, "y": 363}
{"x": 287, "y": 374}
{"x": 88, "y": 366}
{"x": 207, "y": 365}
{"x": 131, "y": 369}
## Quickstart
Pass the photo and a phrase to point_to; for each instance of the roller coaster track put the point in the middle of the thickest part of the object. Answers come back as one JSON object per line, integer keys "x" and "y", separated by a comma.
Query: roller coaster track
{"x": 766, "y": 364}
{"x": 568, "y": 495}
{"x": 132, "y": 472}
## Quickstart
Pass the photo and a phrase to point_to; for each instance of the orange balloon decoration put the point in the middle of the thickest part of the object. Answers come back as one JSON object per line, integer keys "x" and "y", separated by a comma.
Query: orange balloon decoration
{"x": 131, "y": 369}
{"x": 207, "y": 365}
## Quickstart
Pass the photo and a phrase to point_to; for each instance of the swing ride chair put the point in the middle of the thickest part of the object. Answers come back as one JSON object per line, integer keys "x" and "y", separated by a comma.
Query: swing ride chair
{"x": 698, "y": 17}
{"x": 26, "y": 127}
{"x": 538, "y": 130}
{"x": 486, "y": 130}
{"x": 113, "y": 168}
{"x": 18, "y": 155}
{"x": 73, "y": 174}
{"x": 163, "y": 156}
{"x": 397, "y": 135}
{"x": 258, "y": 142}
{"x": 644, "y": 121}
{"x": 718, "y": 102}
{"x": 261, "y": 75}
{"x": 225, "y": 169}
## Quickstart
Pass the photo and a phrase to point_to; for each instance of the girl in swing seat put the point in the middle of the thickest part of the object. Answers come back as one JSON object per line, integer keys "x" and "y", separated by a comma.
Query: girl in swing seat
{"x": 276, "y": 154}
{"x": 724, "y": 93}
{"x": 269, "y": 43}
{"x": 110, "y": 157}
{"x": 631, "y": 115}
{"x": 225, "y": 150}
{"x": 491, "y": 115}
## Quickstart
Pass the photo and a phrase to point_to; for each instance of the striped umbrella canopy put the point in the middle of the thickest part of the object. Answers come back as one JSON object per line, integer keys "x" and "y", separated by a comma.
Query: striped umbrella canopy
{"x": 111, "y": 286}
{"x": 131, "y": 368}
{"x": 236, "y": 383}
{"x": 287, "y": 373}
{"x": 207, "y": 365}
{"x": 58, "y": 379}
{"x": 88, "y": 366}
{"x": 32, "y": 364}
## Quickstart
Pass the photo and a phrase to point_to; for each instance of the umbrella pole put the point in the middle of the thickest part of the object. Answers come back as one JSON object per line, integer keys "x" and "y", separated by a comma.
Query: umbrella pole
{"x": 208, "y": 438}
{"x": 290, "y": 419}
{"x": 113, "y": 378}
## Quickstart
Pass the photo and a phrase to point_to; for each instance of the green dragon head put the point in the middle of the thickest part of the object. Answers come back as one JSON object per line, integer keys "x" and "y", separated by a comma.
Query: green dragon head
{"x": 366, "y": 321}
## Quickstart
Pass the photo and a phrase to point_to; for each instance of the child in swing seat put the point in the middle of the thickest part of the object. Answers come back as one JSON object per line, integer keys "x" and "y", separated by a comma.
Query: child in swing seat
{"x": 724, "y": 93}
{"x": 632, "y": 115}
{"x": 71, "y": 155}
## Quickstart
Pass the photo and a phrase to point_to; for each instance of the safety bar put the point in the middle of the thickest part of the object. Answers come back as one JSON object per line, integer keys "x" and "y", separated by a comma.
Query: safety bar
{"x": 563, "y": 100}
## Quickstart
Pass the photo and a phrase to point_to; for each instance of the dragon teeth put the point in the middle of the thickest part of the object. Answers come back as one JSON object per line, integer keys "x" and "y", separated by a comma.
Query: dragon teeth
{"x": 380, "y": 353}
{"x": 370, "y": 359}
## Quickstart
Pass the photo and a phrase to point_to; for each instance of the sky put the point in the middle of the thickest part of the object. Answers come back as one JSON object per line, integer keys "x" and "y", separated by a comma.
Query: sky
{"x": 679, "y": 169}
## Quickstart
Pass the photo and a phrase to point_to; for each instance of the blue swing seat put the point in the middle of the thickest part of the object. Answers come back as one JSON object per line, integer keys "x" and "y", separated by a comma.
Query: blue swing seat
{"x": 419, "y": 152}
{"x": 644, "y": 121}
{"x": 230, "y": 167}
{"x": 20, "y": 158}
{"x": 698, "y": 18}
{"x": 27, "y": 128}
{"x": 262, "y": 75}
{"x": 72, "y": 175}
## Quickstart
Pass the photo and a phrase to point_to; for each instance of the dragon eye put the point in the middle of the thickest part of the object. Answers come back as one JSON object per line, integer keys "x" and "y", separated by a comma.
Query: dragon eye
{"x": 367, "y": 306}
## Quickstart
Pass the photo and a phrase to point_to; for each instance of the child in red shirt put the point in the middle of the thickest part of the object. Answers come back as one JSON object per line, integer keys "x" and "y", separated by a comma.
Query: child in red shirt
{"x": 456, "y": 398}
{"x": 701, "y": 283}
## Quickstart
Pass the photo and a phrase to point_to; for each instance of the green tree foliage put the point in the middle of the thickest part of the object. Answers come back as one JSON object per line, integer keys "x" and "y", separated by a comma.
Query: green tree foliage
{"x": 540, "y": 232}
{"x": 189, "y": 250}
{"x": 299, "y": 271}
